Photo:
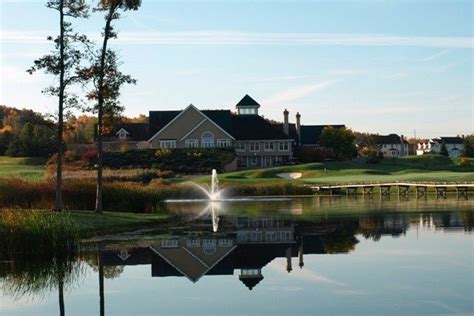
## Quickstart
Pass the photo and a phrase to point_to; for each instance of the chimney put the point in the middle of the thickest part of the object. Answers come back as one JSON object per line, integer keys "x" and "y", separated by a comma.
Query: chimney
{"x": 298, "y": 126}
{"x": 402, "y": 141}
{"x": 286, "y": 125}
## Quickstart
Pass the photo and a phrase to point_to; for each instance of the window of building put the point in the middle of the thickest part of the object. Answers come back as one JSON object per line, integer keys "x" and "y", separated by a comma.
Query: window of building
{"x": 122, "y": 135}
{"x": 247, "y": 111}
{"x": 253, "y": 160}
{"x": 254, "y": 146}
{"x": 207, "y": 140}
{"x": 239, "y": 146}
{"x": 250, "y": 272}
{"x": 269, "y": 146}
{"x": 191, "y": 143}
{"x": 283, "y": 146}
{"x": 193, "y": 243}
{"x": 167, "y": 143}
{"x": 225, "y": 243}
{"x": 223, "y": 143}
{"x": 169, "y": 243}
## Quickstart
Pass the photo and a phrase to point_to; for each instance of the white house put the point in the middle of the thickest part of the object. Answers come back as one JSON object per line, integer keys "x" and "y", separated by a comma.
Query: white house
{"x": 392, "y": 145}
{"x": 454, "y": 145}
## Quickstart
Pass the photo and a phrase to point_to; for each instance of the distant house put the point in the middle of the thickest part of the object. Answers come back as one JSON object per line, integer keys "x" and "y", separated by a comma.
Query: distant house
{"x": 126, "y": 135}
{"x": 392, "y": 145}
{"x": 258, "y": 142}
{"x": 454, "y": 145}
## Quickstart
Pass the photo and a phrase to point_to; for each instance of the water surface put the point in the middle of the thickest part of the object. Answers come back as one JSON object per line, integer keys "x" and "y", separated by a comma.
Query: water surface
{"x": 302, "y": 256}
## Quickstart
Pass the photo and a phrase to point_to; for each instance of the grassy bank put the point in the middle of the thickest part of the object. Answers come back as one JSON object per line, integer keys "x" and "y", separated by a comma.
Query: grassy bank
{"x": 39, "y": 232}
{"x": 414, "y": 168}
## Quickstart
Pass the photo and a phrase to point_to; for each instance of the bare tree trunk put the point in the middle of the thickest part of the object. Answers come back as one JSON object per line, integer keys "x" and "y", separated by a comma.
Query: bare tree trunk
{"x": 101, "y": 284}
{"x": 62, "y": 311}
{"x": 100, "y": 116}
{"x": 59, "y": 169}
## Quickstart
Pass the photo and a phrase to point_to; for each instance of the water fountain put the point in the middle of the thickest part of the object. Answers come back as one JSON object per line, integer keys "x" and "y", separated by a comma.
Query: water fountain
{"x": 213, "y": 192}
{"x": 216, "y": 198}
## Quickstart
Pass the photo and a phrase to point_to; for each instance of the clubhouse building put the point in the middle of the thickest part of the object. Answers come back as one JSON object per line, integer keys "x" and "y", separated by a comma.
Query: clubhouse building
{"x": 258, "y": 142}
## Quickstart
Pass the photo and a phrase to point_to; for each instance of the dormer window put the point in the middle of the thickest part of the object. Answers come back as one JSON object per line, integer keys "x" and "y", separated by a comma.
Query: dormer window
{"x": 122, "y": 134}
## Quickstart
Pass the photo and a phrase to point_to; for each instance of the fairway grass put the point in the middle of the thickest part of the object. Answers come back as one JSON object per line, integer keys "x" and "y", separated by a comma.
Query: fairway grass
{"x": 412, "y": 169}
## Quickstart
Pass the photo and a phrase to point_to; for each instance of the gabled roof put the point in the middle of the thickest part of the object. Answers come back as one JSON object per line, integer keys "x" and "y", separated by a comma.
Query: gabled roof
{"x": 122, "y": 130}
{"x": 450, "y": 140}
{"x": 310, "y": 134}
{"x": 169, "y": 117}
{"x": 159, "y": 119}
{"x": 388, "y": 139}
{"x": 136, "y": 131}
{"x": 223, "y": 118}
{"x": 255, "y": 127}
{"x": 247, "y": 101}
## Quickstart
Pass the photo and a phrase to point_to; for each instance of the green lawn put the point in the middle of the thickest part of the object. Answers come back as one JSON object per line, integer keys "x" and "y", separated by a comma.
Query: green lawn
{"x": 416, "y": 168}
{"x": 25, "y": 168}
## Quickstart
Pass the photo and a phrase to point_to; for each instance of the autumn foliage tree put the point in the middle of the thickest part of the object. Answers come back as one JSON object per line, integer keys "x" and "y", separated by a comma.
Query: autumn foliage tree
{"x": 340, "y": 141}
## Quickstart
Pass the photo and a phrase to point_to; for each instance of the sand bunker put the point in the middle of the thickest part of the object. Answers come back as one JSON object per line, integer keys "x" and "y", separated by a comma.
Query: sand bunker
{"x": 290, "y": 176}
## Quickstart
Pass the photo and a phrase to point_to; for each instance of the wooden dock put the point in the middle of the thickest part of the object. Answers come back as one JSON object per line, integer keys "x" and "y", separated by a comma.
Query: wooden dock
{"x": 403, "y": 188}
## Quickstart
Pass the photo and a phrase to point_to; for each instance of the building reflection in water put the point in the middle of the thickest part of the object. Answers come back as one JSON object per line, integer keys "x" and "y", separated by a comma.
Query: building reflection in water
{"x": 243, "y": 246}
{"x": 216, "y": 243}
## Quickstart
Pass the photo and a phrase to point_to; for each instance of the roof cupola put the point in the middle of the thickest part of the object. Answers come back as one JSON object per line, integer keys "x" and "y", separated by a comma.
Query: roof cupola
{"x": 247, "y": 106}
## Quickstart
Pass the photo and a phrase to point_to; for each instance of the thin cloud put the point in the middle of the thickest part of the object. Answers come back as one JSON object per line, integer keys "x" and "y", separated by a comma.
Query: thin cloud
{"x": 296, "y": 93}
{"x": 436, "y": 56}
{"x": 304, "y": 274}
{"x": 249, "y": 38}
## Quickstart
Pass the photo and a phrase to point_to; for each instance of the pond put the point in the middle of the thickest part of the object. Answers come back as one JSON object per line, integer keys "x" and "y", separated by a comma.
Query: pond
{"x": 299, "y": 256}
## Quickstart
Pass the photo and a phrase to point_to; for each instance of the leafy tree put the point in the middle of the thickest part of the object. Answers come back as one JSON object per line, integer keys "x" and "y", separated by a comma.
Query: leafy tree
{"x": 63, "y": 63}
{"x": 469, "y": 146}
{"x": 5, "y": 138}
{"x": 340, "y": 141}
{"x": 107, "y": 79}
{"x": 443, "y": 150}
{"x": 80, "y": 129}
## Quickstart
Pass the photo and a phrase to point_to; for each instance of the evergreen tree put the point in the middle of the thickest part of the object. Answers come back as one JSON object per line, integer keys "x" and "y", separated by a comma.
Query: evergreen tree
{"x": 443, "y": 150}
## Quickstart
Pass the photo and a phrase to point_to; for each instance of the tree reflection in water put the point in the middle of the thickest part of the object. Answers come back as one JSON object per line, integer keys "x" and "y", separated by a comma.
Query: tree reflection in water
{"x": 192, "y": 249}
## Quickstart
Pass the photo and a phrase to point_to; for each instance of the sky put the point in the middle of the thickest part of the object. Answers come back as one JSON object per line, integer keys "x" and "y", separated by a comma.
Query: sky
{"x": 378, "y": 66}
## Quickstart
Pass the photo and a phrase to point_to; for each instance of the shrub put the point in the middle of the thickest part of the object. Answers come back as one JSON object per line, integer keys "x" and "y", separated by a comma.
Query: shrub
{"x": 465, "y": 162}
{"x": 308, "y": 154}
{"x": 374, "y": 157}
{"x": 90, "y": 155}
{"x": 179, "y": 160}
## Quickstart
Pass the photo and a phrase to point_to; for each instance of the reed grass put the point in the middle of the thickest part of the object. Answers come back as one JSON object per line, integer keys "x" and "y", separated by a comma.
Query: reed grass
{"x": 25, "y": 232}
{"x": 122, "y": 196}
